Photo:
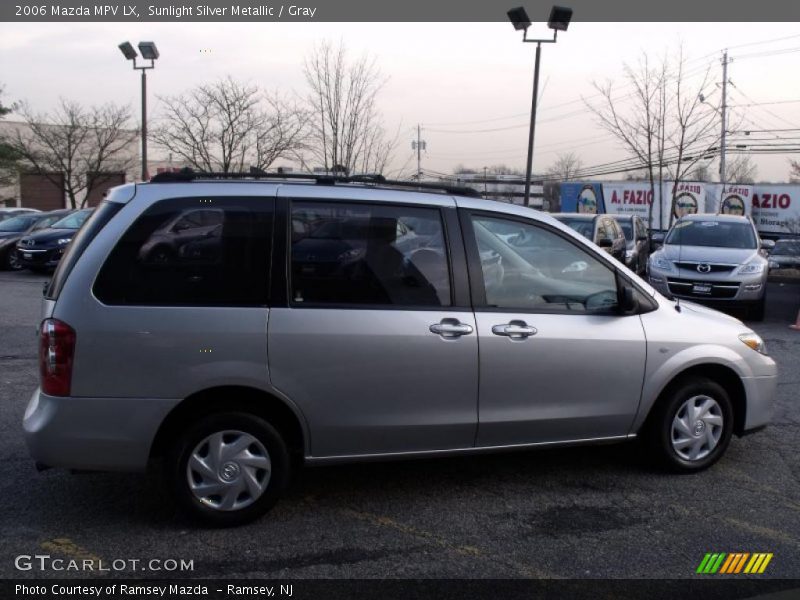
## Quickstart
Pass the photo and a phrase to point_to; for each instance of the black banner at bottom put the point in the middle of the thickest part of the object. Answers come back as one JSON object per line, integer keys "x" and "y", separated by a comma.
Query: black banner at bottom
{"x": 407, "y": 589}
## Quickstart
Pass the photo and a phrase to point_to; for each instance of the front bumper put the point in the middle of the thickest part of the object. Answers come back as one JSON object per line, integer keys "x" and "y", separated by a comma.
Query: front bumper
{"x": 96, "y": 434}
{"x": 710, "y": 288}
{"x": 32, "y": 258}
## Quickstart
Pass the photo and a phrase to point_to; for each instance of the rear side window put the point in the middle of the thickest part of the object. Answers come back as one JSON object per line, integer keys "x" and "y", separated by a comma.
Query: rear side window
{"x": 192, "y": 252}
{"x": 87, "y": 232}
{"x": 364, "y": 254}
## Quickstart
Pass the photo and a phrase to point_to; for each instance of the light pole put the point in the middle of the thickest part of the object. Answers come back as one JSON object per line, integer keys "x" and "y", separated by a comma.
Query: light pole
{"x": 559, "y": 21}
{"x": 149, "y": 52}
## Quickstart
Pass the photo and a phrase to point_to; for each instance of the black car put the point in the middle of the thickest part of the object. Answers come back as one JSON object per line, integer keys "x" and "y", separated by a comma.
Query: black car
{"x": 637, "y": 251}
{"x": 42, "y": 250}
{"x": 603, "y": 230}
{"x": 14, "y": 229}
{"x": 784, "y": 259}
{"x": 11, "y": 212}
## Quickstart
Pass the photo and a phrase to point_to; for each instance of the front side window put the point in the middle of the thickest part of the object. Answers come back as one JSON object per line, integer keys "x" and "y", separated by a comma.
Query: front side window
{"x": 537, "y": 270}
{"x": 365, "y": 254}
{"x": 181, "y": 253}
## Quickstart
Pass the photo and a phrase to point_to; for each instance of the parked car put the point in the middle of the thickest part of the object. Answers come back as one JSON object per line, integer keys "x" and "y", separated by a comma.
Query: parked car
{"x": 784, "y": 260}
{"x": 42, "y": 250}
{"x": 232, "y": 372}
{"x": 13, "y": 211}
{"x": 14, "y": 229}
{"x": 637, "y": 251}
{"x": 603, "y": 230}
{"x": 713, "y": 259}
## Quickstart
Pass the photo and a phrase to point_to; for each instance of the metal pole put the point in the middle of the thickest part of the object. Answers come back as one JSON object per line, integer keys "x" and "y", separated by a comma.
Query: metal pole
{"x": 144, "y": 125}
{"x": 419, "y": 154}
{"x": 533, "y": 125}
{"x": 724, "y": 108}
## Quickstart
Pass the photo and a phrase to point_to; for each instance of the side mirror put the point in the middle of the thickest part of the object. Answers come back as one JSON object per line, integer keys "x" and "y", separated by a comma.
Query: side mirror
{"x": 605, "y": 243}
{"x": 767, "y": 245}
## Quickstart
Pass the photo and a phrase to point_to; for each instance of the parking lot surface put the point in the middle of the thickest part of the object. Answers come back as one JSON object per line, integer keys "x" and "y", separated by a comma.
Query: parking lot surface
{"x": 568, "y": 513}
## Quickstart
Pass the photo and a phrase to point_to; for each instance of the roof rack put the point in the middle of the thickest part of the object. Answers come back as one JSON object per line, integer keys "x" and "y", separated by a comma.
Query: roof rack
{"x": 186, "y": 174}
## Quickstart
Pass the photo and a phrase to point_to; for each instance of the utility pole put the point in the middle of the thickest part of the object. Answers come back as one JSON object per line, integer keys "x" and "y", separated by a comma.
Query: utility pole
{"x": 725, "y": 63}
{"x": 419, "y": 146}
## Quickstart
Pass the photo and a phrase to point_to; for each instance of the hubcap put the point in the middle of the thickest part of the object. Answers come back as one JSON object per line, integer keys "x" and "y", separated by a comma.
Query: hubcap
{"x": 228, "y": 470}
{"x": 697, "y": 428}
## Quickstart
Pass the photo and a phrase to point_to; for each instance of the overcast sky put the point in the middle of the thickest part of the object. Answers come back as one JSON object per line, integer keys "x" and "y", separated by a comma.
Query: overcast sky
{"x": 456, "y": 80}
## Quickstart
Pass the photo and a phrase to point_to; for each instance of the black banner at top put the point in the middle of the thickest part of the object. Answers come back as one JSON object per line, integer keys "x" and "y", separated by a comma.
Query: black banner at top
{"x": 392, "y": 11}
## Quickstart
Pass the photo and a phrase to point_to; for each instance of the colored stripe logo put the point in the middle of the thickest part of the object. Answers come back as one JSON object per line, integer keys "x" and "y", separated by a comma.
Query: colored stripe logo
{"x": 734, "y": 563}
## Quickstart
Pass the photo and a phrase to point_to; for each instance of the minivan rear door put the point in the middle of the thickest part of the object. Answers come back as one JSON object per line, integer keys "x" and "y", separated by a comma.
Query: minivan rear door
{"x": 370, "y": 332}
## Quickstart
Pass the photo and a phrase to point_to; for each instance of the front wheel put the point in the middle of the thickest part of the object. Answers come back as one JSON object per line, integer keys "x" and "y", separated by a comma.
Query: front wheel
{"x": 228, "y": 469}
{"x": 691, "y": 429}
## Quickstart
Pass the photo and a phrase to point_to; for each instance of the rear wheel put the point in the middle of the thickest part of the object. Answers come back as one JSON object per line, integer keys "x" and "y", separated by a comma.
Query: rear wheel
{"x": 691, "y": 428}
{"x": 228, "y": 469}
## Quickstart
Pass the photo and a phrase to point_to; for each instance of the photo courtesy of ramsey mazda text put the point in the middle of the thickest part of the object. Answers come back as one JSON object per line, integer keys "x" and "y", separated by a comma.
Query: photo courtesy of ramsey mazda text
{"x": 238, "y": 328}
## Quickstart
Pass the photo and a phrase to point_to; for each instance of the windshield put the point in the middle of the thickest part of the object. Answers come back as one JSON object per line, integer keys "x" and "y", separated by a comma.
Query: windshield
{"x": 73, "y": 221}
{"x": 21, "y": 223}
{"x": 583, "y": 226}
{"x": 719, "y": 234}
{"x": 788, "y": 248}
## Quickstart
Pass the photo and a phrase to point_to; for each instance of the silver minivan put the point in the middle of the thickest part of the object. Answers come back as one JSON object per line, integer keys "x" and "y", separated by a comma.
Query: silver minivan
{"x": 234, "y": 329}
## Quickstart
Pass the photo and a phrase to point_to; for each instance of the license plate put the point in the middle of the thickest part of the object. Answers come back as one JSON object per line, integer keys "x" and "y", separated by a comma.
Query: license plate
{"x": 27, "y": 255}
{"x": 701, "y": 288}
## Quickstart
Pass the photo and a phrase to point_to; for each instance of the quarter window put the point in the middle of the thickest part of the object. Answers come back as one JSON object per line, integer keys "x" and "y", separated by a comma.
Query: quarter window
{"x": 343, "y": 254}
{"x": 192, "y": 252}
{"x": 529, "y": 268}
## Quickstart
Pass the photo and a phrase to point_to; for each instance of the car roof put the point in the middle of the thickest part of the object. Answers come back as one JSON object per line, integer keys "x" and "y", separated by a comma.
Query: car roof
{"x": 584, "y": 216}
{"x": 716, "y": 217}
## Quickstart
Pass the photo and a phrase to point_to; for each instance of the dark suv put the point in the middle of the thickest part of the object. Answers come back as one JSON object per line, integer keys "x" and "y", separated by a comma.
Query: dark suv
{"x": 603, "y": 230}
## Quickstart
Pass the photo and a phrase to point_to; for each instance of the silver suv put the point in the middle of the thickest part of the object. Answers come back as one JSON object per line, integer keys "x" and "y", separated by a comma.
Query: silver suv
{"x": 713, "y": 259}
{"x": 328, "y": 320}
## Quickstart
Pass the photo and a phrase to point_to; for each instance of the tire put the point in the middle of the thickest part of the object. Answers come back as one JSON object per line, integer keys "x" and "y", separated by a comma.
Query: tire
{"x": 671, "y": 445}
{"x": 12, "y": 261}
{"x": 757, "y": 311}
{"x": 250, "y": 480}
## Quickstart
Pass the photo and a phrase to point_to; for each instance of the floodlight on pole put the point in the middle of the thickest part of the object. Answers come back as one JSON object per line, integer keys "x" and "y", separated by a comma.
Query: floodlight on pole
{"x": 149, "y": 52}
{"x": 559, "y": 20}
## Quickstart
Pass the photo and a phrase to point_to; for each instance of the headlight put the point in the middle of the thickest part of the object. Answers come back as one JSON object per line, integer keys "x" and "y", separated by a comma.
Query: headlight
{"x": 662, "y": 263}
{"x": 754, "y": 341}
{"x": 751, "y": 268}
{"x": 774, "y": 265}
{"x": 64, "y": 241}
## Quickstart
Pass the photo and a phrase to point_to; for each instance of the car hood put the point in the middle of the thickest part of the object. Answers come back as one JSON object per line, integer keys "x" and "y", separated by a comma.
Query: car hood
{"x": 49, "y": 235}
{"x": 708, "y": 254}
{"x": 709, "y": 313}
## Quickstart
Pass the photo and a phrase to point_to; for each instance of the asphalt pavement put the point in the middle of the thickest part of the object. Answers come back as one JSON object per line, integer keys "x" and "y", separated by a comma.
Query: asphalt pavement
{"x": 569, "y": 513}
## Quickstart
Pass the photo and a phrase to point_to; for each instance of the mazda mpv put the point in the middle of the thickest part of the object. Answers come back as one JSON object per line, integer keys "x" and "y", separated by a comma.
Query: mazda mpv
{"x": 322, "y": 320}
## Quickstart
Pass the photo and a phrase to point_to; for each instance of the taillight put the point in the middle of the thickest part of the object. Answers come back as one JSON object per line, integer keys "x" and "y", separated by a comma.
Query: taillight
{"x": 56, "y": 351}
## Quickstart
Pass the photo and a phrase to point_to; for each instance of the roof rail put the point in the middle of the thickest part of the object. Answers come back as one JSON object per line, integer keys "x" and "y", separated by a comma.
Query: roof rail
{"x": 378, "y": 180}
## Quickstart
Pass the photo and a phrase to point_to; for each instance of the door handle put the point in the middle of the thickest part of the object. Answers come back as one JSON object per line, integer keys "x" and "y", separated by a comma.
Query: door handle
{"x": 516, "y": 330}
{"x": 450, "y": 328}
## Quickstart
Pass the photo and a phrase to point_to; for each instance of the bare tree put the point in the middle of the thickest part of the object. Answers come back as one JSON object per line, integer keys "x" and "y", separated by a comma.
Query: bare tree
{"x": 794, "y": 170}
{"x": 229, "y": 126}
{"x": 741, "y": 169}
{"x": 566, "y": 167}
{"x": 693, "y": 124}
{"x": 637, "y": 129}
{"x": 84, "y": 145}
{"x": 346, "y": 133}
{"x": 8, "y": 158}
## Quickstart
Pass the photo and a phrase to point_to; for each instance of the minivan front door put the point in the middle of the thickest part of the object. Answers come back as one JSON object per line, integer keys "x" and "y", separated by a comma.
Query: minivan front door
{"x": 372, "y": 345}
{"x": 557, "y": 362}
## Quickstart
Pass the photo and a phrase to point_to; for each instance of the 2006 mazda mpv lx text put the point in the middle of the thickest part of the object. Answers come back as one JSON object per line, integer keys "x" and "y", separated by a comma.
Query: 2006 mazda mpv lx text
{"x": 225, "y": 325}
